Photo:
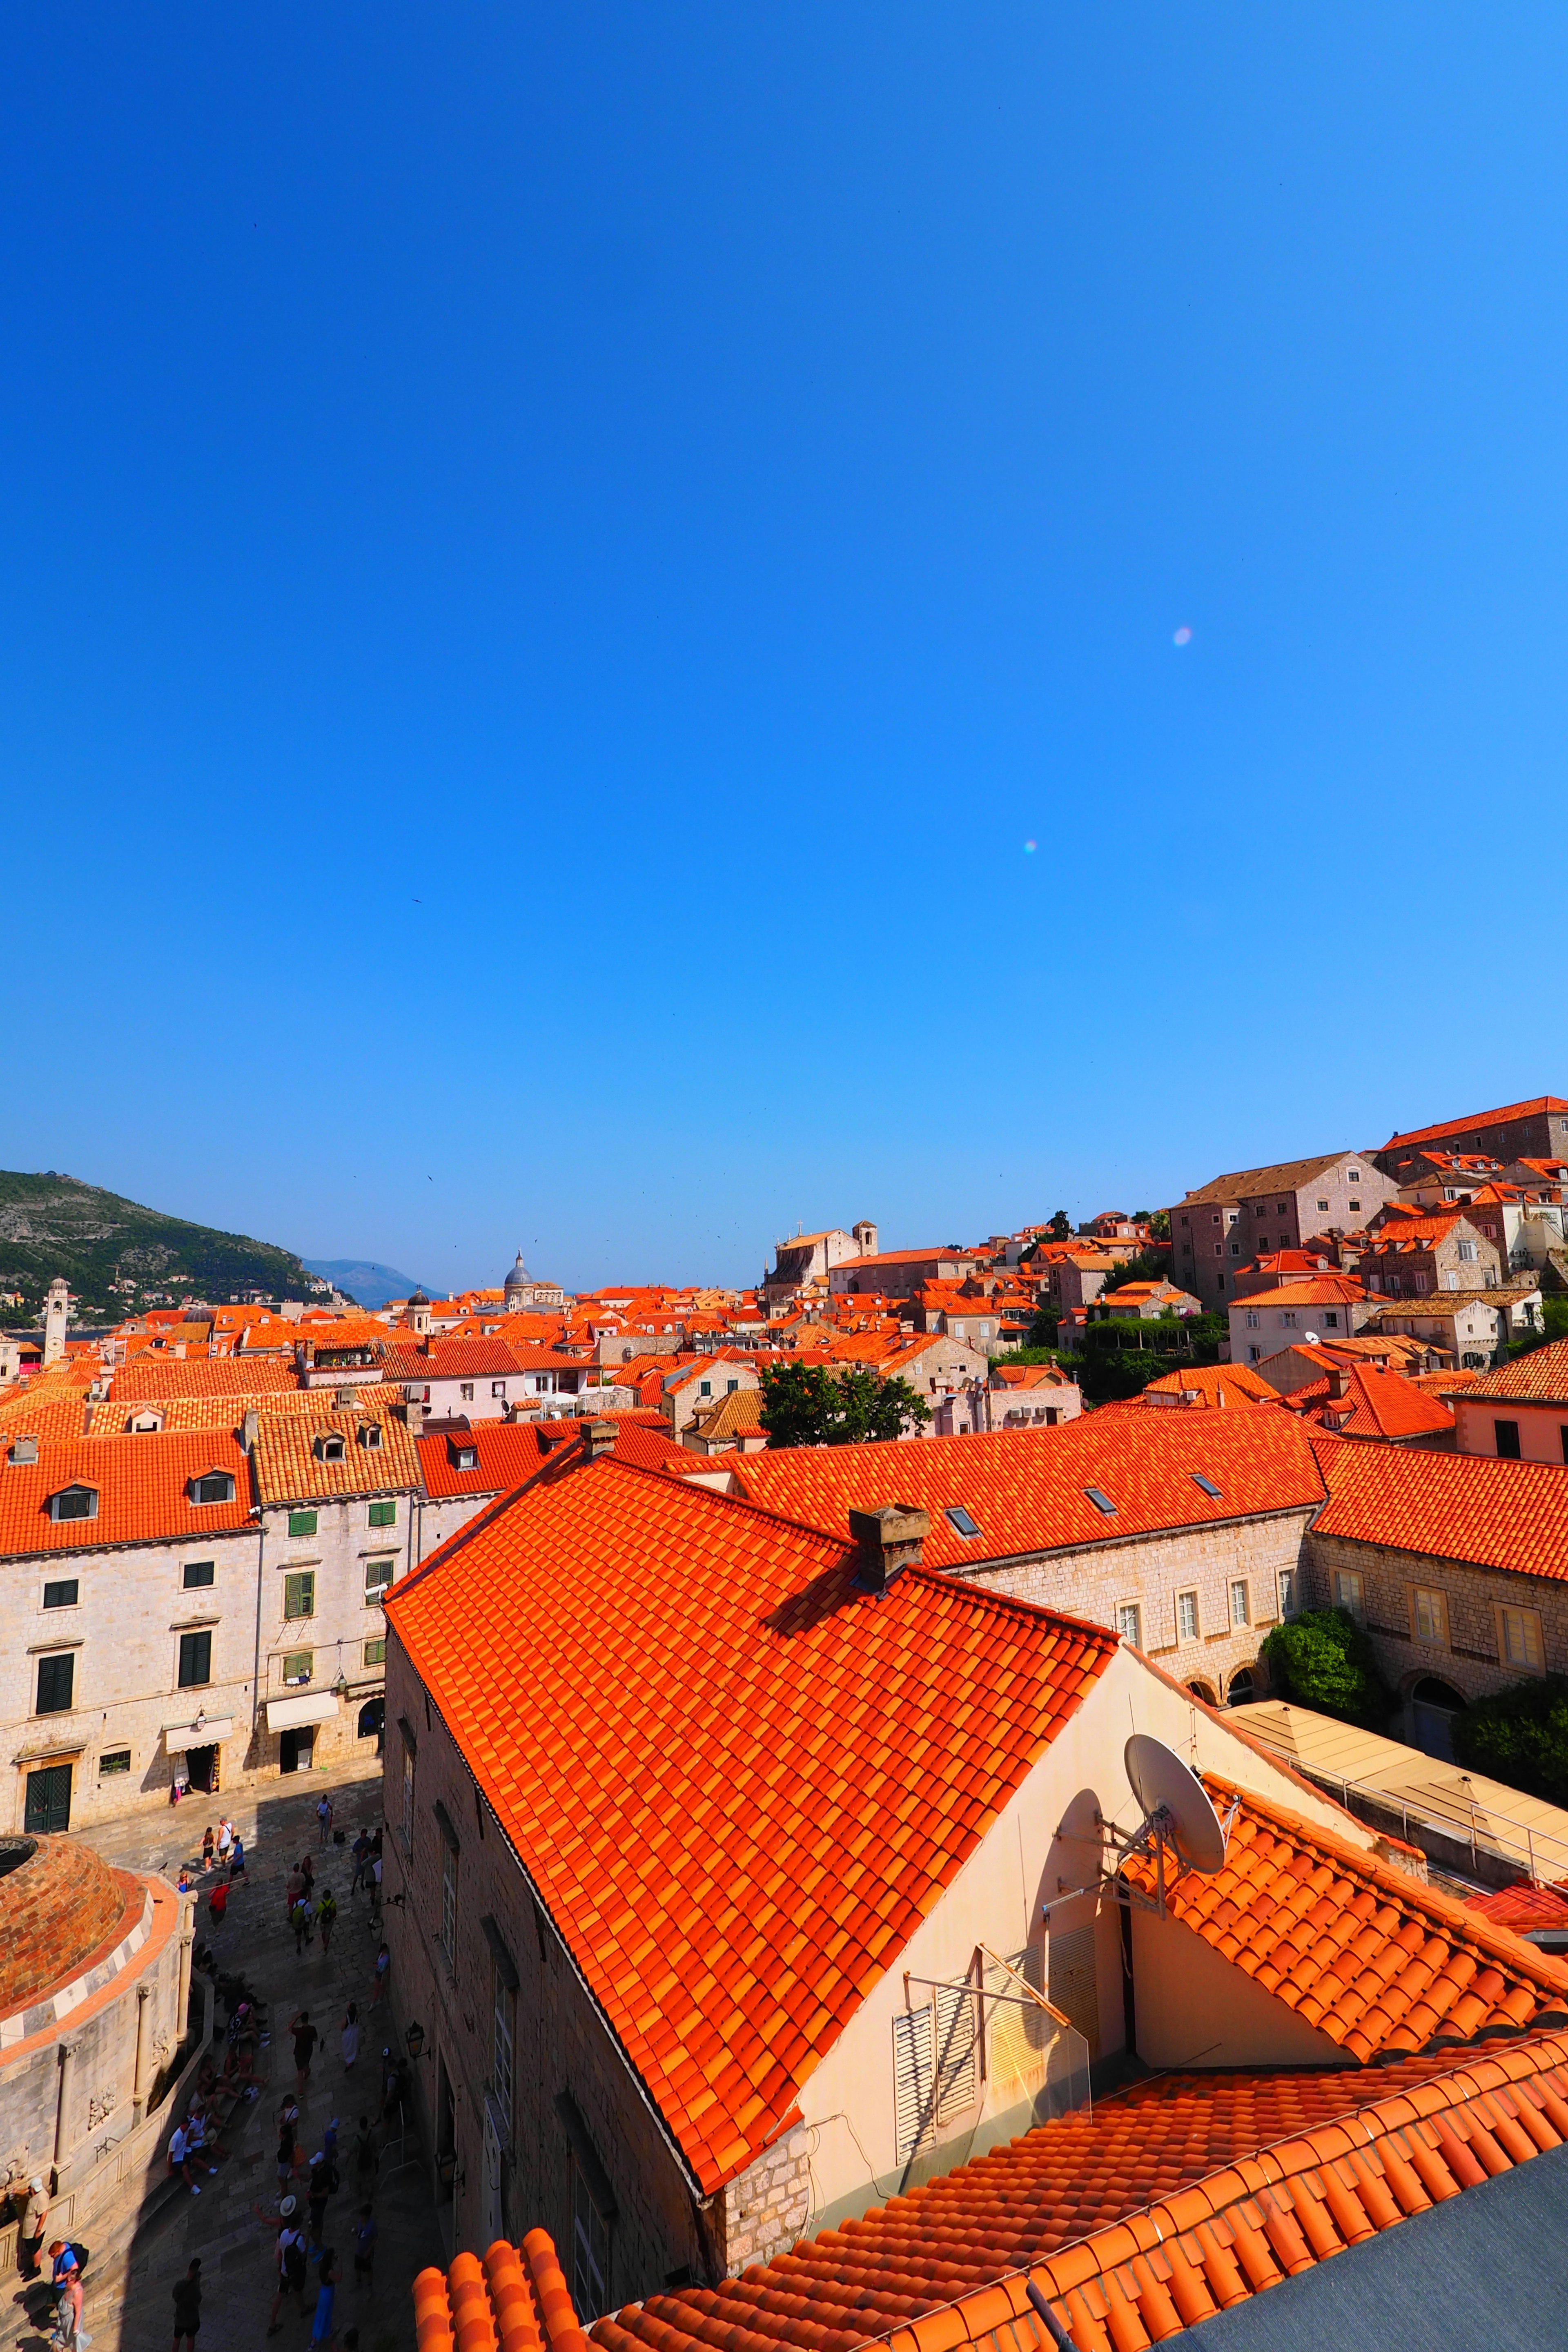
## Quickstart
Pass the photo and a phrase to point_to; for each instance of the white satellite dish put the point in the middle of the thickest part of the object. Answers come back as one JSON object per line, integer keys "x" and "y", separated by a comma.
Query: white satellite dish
{"x": 1311, "y": 1338}
{"x": 1177, "y": 1815}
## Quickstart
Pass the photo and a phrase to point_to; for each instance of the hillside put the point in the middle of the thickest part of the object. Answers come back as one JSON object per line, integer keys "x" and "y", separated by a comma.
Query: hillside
{"x": 56, "y": 1224}
{"x": 364, "y": 1279}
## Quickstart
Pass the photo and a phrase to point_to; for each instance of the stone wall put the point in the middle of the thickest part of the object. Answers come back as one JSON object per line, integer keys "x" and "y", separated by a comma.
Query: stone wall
{"x": 1471, "y": 1656}
{"x": 766, "y": 2209}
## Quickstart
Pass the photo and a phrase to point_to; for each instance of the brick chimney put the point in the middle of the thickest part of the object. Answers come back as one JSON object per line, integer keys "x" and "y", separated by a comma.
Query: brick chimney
{"x": 251, "y": 1429}
{"x": 890, "y": 1540}
{"x": 1339, "y": 1381}
{"x": 598, "y": 1437}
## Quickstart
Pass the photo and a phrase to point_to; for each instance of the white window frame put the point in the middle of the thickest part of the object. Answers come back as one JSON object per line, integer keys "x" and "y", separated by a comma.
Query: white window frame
{"x": 1241, "y": 1602}
{"x": 1429, "y": 1616}
{"x": 1520, "y": 1640}
{"x": 1349, "y": 1593}
{"x": 1187, "y": 1619}
{"x": 1130, "y": 1622}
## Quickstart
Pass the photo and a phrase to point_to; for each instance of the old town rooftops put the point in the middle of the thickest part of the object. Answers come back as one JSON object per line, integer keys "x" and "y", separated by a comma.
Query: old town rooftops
{"x": 729, "y": 1916}
{"x": 1459, "y": 1507}
{"x": 1134, "y": 2220}
{"x": 306, "y": 1458}
{"x": 1537, "y": 1107}
{"x": 86, "y": 1493}
{"x": 1285, "y": 1176}
{"x": 150, "y": 1376}
{"x": 1366, "y": 1401}
{"x": 1539, "y": 1378}
{"x": 1029, "y": 1490}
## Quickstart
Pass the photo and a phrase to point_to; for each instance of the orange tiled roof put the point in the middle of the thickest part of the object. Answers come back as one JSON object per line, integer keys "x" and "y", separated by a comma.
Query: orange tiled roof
{"x": 729, "y": 1917}
{"x": 113, "y": 1420}
{"x": 1525, "y": 1906}
{"x": 1374, "y": 1404}
{"x": 1215, "y": 1384}
{"x": 1323, "y": 1290}
{"x": 1372, "y": 1960}
{"x": 143, "y": 1485}
{"x": 1539, "y": 1378}
{"x": 1538, "y": 1105}
{"x": 1468, "y": 1507}
{"x": 507, "y": 1453}
{"x": 1177, "y": 2197}
{"x": 149, "y": 1377}
{"x": 1027, "y": 1489}
{"x": 289, "y": 1468}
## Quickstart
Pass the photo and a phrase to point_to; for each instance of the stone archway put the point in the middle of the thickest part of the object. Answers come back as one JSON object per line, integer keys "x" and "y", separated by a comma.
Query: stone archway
{"x": 1242, "y": 1688}
{"x": 1204, "y": 1691}
{"x": 1433, "y": 1705}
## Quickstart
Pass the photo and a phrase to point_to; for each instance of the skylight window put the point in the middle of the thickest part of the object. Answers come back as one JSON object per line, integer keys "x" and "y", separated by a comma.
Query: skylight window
{"x": 1215, "y": 1493}
{"x": 1101, "y": 1501}
{"x": 961, "y": 1519}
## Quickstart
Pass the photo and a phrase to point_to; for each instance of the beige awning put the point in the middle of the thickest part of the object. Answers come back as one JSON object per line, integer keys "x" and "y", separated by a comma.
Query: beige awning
{"x": 178, "y": 1737}
{"x": 310, "y": 1706}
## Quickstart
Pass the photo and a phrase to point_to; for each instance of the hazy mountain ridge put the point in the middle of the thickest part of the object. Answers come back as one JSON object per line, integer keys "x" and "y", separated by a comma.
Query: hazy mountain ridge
{"x": 54, "y": 1224}
{"x": 364, "y": 1279}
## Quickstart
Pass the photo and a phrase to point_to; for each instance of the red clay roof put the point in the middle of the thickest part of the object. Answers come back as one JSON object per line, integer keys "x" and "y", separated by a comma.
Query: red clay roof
{"x": 1027, "y": 1489}
{"x": 1539, "y": 1378}
{"x": 291, "y": 1467}
{"x": 1468, "y": 1507}
{"x": 507, "y": 1453}
{"x": 1370, "y": 1957}
{"x": 148, "y": 1377}
{"x": 730, "y": 1914}
{"x": 1175, "y": 2198}
{"x": 1537, "y": 1106}
{"x": 1525, "y": 1906}
{"x": 142, "y": 1486}
{"x": 1374, "y": 1405}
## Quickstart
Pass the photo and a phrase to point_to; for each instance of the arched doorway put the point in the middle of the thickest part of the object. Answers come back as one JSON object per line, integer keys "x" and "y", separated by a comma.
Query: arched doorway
{"x": 373, "y": 1721}
{"x": 1433, "y": 1706}
{"x": 1241, "y": 1691}
{"x": 1203, "y": 1690}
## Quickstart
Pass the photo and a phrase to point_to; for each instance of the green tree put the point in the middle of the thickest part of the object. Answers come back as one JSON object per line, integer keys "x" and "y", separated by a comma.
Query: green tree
{"x": 1519, "y": 1735}
{"x": 1324, "y": 1659}
{"x": 1060, "y": 1228}
{"x": 1149, "y": 1265}
{"x": 820, "y": 1404}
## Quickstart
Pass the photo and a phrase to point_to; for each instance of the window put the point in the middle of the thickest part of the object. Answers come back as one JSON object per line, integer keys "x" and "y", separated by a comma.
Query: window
{"x": 56, "y": 1677}
{"x": 465, "y": 1391}
{"x": 298, "y": 1666}
{"x": 408, "y": 1796}
{"x": 213, "y": 1486}
{"x": 497, "y": 1389}
{"x": 1252, "y": 1354}
{"x": 1101, "y": 1501}
{"x": 590, "y": 2250}
{"x": 330, "y": 1447}
{"x": 1128, "y": 1622}
{"x": 1252, "y": 1318}
{"x": 1323, "y": 1204}
{"x": 1213, "y": 1221}
{"x": 1207, "y": 1486}
{"x": 299, "y": 1593}
{"x": 74, "y": 1503}
{"x": 1506, "y": 1433}
{"x": 378, "y": 1576}
{"x": 1521, "y": 1644}
{"x": 1353, "y": 1176}
{"x": 501, "y": 2042}
{"x": 1331, "y": 1320}
{"x": 1287, "y": 1317}
{"x": 731, "y": 1387}
{"x": 449, "y": 1905}
{"x": 704, "y": 1388}
{"x": 375, "y": 1651}
{"x": 1186, "y": 1616}
{"x": 198, "y": 1573}
{"x": 961, "y": 1520}
{"x": 1288, "y": 1603}
{"x": 1236, "y": 1249}
{"x": 112, "y": 1760}
{"x": 1348, "y": 1592}
{"x": 1356, "y": 1206}
{"x": 195, "y": 1659}
{"x": 1562, "y": 1434}
{"x": 382, "y": 1515}
{"x": 1430, "y": 1615}
{"x": 1467, "y": 1253}
{"x": 466, "y": 1457}
{"x": 63, "y": 1595}
{"x": 1240, "y": 1604}
{"x": 370, "y": 1436}
{"x": 301, "y": 1523}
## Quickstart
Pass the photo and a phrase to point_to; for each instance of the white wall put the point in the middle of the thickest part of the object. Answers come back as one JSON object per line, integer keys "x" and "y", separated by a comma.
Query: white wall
{"x": 1542, "y": 1428}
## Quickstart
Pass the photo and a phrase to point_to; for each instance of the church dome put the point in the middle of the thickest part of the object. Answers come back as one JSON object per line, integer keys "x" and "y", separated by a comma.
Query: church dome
{"x": 519, "y": 1278}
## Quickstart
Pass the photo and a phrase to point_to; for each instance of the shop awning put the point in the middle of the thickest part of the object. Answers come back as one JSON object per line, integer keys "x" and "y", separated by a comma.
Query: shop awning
{"x": 310, "y": 1706}
{"x": 178, "y": 1737}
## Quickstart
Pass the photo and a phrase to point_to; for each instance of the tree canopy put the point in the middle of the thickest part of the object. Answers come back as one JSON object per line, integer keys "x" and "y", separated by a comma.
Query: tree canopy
{"x": 823, "y": 1404}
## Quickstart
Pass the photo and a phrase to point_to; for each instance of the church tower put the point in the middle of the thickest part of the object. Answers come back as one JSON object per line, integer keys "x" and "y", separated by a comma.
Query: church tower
{"x": 56, "y": 1315}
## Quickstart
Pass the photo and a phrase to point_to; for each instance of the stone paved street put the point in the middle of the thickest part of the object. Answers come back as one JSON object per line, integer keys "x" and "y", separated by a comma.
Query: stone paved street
{"x": 129, "y": 2305}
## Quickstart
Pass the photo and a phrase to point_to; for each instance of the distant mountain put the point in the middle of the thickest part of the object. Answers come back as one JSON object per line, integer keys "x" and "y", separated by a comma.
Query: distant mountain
{"x": 118, "y": 1255}
{"x": 364, "y": 1280}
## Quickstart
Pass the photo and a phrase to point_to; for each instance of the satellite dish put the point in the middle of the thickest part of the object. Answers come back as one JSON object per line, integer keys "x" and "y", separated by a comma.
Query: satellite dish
{"x": 1311, "y": 1338}
{"x": 1177, "y": 1814}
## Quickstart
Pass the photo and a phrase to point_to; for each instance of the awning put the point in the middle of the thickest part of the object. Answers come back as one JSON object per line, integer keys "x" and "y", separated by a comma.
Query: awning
{"x": 178, "y": 1737}
{"x": 310, "y": 1706}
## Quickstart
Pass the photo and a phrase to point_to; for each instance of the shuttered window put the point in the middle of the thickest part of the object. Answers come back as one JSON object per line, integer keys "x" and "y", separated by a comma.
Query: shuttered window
{"x": 914, "y": 2079}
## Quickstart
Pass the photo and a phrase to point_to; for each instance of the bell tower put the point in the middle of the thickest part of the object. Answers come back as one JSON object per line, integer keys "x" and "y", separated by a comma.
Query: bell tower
{"x": 56, "y": 1315}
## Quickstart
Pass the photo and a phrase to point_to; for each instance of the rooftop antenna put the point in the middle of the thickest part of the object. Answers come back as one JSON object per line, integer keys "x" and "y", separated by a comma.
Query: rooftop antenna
{"x": 1180, "y": 1827}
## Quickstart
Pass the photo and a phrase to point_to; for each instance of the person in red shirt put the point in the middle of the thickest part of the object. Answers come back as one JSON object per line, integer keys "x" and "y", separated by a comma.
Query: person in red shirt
{"x": 217, "y": 1901}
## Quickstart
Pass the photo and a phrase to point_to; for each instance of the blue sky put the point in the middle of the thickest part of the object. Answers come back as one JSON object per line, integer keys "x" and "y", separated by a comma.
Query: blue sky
{"x": 552, "y": 562}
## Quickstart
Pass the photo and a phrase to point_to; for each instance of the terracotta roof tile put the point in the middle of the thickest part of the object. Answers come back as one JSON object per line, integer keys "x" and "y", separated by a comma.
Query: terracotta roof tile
{"x": 751, "y": 1952}
{"x": 143, "y": 1486}
{"x": 1467, "y": 1506}
{"x": 1536, "y": 1107}
{"x": 291, "y": 1465}
{"x": 152, "y": 1376}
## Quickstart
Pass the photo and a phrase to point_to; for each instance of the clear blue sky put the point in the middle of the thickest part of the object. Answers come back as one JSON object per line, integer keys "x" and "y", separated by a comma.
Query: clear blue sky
{"x": 553, "y": 561}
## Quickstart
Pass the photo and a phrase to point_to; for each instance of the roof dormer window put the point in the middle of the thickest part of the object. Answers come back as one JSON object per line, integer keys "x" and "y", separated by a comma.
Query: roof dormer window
{"x": 330, "y": 1448}
{"x": 213, "y": 1486}
{"x": 468, "y": 1457}
{"x": 74, "y": 1503}
{"x": 370, "y": 1435}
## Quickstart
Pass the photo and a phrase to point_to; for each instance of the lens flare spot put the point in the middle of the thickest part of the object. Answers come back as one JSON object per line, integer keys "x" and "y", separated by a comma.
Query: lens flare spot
{"x": 1029, "y": 847}
{"x": 1184, "y": 636}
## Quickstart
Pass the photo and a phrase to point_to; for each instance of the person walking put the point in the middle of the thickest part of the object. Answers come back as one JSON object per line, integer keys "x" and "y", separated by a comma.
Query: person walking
{"x": 364, "y": 2247}
{"x": 351, "y": 2037}
{"x": 324, "y": 1820}
{"x": 292, "y": 2268}
{"x": 302, "y": 1920}
{"x": 323, "y": 2180}
{"x": 361, "y": 1851}
{"x": 188, "y": 2305}
{"x": 305, "y": 2040}
{"x": 182, "y": 2156}
{"x": 225, "y": 1838}
{"x": 30, "y": 2236}
{"x": 294, "y": 1889}
{"x": 364, "y": 2154}
{"x": 326, "y": 1918}
{"x": 69, "y": 2333}
{"x": 237, "y": 1867}
{"x": 383, "y": 1962}
{"x": 321, "y": 2330}
{"x": 218, "y": 1901}
{"x": 208, "y": 1843}
{"x": 375, "y": 1880}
